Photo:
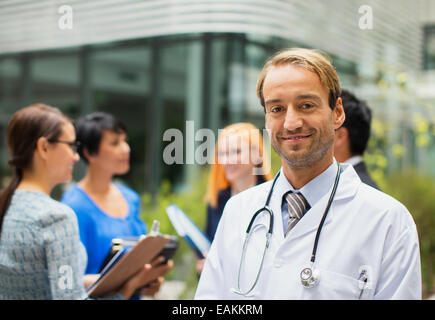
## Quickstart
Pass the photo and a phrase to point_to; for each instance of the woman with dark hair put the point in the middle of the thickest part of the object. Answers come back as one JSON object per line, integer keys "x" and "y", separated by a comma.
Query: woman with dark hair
{"x": 105, "y": 210}
{"x": 41, "y": 256}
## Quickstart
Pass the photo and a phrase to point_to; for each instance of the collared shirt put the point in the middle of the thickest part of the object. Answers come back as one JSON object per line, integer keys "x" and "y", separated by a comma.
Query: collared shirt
{"x": 354, "y": 160}
{"x": 313, "y": 191}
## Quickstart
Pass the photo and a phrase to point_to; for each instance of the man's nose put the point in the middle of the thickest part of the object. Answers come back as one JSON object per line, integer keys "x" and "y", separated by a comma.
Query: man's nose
{"x": 293, "y": 119}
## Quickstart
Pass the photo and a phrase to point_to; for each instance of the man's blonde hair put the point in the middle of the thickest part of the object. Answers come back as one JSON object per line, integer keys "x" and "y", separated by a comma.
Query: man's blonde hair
{"x": 313, "y": 60}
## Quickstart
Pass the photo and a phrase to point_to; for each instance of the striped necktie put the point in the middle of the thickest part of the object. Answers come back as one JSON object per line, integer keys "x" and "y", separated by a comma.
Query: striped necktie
{"x": 297, "y": 206}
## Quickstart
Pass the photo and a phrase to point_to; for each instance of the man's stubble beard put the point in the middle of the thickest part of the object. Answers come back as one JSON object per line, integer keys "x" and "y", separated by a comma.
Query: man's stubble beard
{"x": 317, "y": 151}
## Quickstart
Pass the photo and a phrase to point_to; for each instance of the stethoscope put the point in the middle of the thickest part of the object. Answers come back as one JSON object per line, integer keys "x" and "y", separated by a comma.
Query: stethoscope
{"x": 310, "y": 276}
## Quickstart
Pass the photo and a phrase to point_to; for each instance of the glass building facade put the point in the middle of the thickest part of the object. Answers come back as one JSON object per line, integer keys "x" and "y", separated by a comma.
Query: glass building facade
{"x": 157, "y": 64}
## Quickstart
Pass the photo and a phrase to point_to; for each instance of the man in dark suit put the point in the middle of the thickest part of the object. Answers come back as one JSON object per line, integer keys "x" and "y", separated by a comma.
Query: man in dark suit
{"x": 352, "y": 137}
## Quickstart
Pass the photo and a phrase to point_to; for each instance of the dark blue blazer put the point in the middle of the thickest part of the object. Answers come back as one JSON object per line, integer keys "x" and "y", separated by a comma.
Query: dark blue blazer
{"x": 364, "y": 175}
{"x": 214, "y": 213}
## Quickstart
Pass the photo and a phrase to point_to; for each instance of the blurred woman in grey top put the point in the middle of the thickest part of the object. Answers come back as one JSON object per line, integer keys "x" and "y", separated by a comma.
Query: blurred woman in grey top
{"x": 41, "y": 256}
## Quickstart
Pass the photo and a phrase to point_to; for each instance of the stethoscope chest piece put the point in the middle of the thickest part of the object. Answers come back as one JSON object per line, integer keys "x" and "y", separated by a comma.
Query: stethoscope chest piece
{"x": 310, "y": 277}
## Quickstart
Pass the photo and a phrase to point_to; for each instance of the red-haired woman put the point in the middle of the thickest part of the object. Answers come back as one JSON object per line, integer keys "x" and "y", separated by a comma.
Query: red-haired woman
{"x": 240, "y": 162}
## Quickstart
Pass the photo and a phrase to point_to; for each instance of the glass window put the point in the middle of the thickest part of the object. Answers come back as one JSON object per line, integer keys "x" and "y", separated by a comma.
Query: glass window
{"x": 429, "y": 48}
{"x": 10, "y": 100}
{"x": 216, "y": 83}
{"x": 55, "y": 81}
{"x": 179, "y": 90}
{"x": 257, "y": 55}
{"x": 120, "y": 85}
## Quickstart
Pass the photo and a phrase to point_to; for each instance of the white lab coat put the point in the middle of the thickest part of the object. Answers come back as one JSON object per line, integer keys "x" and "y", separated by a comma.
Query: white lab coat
{"x": 364, "y": 229}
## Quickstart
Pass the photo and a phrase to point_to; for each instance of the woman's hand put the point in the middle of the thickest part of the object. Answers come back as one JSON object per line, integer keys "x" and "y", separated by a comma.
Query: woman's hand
{"x": 149, "y": 273}
{"x": 153, "y": 287}
{"x": 89, "y": 279}
{"x": 162, "y": 269}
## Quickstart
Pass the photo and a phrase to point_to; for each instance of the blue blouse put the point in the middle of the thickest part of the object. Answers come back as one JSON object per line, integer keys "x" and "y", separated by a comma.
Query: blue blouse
{"x": 97, "y": 229}
{"x": 41, "y": 256}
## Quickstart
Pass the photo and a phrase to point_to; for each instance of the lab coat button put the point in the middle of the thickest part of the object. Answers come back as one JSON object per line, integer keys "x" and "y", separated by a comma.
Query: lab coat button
{"x": 278, "y": 263}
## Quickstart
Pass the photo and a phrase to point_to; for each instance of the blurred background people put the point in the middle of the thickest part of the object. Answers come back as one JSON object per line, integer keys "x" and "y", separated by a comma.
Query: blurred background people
{"x": 352, "y": 138}
{"x": 39, "y": 236}
{"x": 240, "y": 162}
{"x": 105, "y": 210}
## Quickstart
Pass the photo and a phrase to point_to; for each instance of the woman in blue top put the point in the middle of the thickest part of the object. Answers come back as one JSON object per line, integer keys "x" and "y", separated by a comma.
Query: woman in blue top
{"x": 105, "y": 210}
{"x": 41, "y": 256}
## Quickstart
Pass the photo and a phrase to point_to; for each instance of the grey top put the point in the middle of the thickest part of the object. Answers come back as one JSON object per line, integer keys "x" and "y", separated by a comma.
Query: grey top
{"x": 41, "y": 256}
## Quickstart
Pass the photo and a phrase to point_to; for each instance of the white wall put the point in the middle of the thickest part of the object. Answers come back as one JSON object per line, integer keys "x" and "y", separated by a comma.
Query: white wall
{"x": 427, "y": 11}
{"x": 329, "y": 25}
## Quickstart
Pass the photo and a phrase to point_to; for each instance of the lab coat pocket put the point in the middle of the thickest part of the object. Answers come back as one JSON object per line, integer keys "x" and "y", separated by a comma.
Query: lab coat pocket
{"x": 334, "y": 286}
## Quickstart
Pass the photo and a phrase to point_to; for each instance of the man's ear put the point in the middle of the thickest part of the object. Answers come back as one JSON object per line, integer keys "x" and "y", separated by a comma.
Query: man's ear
{"x": 339, "y": 115}
{"x": 341, "y": 136}
{"x": 42, "y": 147}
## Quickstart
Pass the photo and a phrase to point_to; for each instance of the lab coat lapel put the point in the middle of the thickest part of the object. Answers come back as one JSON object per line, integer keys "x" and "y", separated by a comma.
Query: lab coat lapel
{"x": 347, "y": 187}
{"x": 275, "y": 203}
{"x": 258, "y": 203}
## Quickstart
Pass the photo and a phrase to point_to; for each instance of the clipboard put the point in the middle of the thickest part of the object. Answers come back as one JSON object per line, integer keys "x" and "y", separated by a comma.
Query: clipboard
{"x": 126, "y": 263}
{"x": 190, "y": 232}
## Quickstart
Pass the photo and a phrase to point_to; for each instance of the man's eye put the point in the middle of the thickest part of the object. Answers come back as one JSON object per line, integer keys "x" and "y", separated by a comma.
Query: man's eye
{"x": 276, "y": 109}
{"x": 307, "y": 106}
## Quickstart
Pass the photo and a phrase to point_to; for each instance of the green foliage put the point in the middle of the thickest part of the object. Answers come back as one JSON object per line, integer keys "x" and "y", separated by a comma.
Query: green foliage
{"x": 417, "y": 193}
{"x": 415, "y": 190}
{"x": 275, "y": 162}
{"x": 192, "y": 202}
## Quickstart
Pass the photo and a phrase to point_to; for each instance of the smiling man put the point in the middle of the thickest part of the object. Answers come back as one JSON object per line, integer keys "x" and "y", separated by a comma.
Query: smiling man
{"x": 300, "y": 119}
{"x": 315, "y": 231}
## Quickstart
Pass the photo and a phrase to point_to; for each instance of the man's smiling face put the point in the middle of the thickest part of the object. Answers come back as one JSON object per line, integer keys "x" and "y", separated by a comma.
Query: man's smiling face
{"x": 298, "y": 115}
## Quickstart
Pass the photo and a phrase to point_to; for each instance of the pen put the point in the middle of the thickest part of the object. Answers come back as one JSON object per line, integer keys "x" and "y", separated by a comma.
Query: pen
{"x": 362, "y": 278}
{"x": 155, "y": 229}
